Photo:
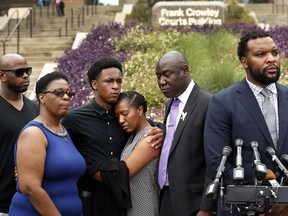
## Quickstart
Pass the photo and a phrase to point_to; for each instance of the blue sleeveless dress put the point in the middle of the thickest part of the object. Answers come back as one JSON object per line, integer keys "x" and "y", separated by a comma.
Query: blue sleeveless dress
{"x": 63, "y": 167}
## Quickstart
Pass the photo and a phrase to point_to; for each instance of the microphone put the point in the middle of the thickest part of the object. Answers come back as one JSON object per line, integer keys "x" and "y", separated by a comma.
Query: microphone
{"x": 238, "y": 172}
{"x": 270, "y": 152}
{"x": 213, "y": 188}
{"x": 284, "y": 159}
{"x": 259, "y": 168}
{"x": 270, "y": 179}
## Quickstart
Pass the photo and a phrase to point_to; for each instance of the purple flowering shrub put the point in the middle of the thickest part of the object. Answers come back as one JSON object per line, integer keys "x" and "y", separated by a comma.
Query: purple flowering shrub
{"x": 105, "y": 39}
{"x": 280, "y": 34}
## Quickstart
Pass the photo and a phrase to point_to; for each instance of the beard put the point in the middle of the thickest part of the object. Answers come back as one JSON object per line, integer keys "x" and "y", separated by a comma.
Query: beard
{"x": 261, "y": 76}
{"x": 16, "y": 88}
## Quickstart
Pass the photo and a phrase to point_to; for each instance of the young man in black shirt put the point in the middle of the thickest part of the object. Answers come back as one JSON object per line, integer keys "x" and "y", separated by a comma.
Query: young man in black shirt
{"x": 99, "y": 137}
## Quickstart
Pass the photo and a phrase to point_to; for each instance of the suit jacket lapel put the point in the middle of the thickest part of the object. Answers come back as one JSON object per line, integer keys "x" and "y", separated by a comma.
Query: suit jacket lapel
{"x": 283, "y": 116}
{"x": 167, "y": 107}
{"x": 190, "y": 105}
{"x": 248, "y": 100}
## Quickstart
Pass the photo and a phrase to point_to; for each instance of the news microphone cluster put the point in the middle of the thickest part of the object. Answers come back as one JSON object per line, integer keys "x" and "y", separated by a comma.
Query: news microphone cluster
{"x": 260, "y": 170}
{"x": 250, "y": 198}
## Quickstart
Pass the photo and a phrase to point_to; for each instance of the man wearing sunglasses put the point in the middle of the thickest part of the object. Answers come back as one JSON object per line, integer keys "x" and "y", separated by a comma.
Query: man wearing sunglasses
{"x": 16, "y": 110}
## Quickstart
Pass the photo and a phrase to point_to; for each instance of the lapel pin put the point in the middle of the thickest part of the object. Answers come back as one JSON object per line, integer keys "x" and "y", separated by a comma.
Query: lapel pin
{"x": 183, "y": 116}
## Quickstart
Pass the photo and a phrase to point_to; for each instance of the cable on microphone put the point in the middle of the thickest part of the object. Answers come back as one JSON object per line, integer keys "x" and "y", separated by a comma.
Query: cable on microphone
{"x": 238, "y": 172}
{"x": 259, "y": 168}
{"x": 213, "y": 188}
{"x": 270, "y": 152}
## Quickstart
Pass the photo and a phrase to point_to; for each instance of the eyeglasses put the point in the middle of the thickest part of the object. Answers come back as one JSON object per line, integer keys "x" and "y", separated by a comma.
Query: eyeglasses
{"x": 20, "y": 71}
{"x": 60, "y": 93}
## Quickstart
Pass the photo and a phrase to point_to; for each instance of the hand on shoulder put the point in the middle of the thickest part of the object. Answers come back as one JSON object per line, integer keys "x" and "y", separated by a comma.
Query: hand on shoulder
{"x": 155, "y": 137}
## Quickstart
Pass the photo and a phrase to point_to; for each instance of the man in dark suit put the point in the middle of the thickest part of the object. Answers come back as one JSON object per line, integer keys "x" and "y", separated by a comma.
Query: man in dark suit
{"x": 236, "y": 112}
{"x": 184, "y": 176}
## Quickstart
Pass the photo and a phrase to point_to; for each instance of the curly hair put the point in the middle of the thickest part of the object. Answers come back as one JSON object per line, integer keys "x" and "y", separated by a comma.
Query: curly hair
{"x": 100, "y": 64}
{"x": 251, "y": 35}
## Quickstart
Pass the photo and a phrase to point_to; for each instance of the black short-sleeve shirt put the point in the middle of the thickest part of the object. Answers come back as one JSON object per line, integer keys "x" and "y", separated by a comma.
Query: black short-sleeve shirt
{"x": 96, "y": 133}
{"x": 100, "y": 139}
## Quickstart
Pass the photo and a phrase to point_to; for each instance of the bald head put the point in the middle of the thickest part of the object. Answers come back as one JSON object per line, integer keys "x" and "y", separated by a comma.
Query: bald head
{"x": 10, "y": 81}
{"x": 175, "y": 56}
{"x": 173, "y": 74}
{"x": 11, "y": 61}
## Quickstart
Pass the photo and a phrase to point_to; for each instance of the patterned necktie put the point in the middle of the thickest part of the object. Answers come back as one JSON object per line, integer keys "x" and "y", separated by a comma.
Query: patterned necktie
{"x": 162, "y": 175}
{"x": 269, "y": 115}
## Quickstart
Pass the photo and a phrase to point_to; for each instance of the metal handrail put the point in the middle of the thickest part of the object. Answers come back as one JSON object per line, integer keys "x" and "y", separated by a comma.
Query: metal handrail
{"x": 92, "y": 8}
{"x": 80, "y": 15}
{"x": 9, "y": 19}
{"x": 276, "y": 4}
{"x": 65, "y": 24}
{"x": 17, "y": 27}
{"x": 52, "y": 5}
{"x": 282, "y": 5}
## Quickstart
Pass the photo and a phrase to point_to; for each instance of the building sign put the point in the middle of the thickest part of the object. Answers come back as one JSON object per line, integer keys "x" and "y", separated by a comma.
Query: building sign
{"x": 189, "y": 13}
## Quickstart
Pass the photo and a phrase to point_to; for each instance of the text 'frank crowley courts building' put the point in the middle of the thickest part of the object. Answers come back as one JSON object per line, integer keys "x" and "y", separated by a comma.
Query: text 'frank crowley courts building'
{"x": 189, "y": 13}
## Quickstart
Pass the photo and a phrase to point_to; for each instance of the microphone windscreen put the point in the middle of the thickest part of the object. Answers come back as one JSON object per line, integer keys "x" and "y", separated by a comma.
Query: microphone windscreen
{"x": 239, "y": 142}
{"x": 269, "y": 176}
{"x": 270, "y": 152}
{"x": 226, "y": 150}
{"x": 284, "y": 159}
{"x": 254, "y": 144}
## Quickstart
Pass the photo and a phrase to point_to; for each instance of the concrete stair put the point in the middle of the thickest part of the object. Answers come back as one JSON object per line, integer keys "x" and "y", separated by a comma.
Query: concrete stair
{"x": 269, "y": 13}
{"x": 46, "y": 46}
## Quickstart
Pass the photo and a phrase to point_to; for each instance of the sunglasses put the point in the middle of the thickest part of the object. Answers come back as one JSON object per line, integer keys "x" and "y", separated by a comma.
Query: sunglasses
{"x": 20, "y": 71}
{"x": 60, "y": 93}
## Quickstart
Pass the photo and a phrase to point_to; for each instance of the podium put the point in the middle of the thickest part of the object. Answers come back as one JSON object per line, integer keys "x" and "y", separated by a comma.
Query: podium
{"x": 248, "y": 194}
{"x": 255, "y": 198}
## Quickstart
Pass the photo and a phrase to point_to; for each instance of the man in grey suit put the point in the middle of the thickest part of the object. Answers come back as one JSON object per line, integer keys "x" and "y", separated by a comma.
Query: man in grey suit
{"x": 237, "y": 112}
{"x": 182, "y": 179}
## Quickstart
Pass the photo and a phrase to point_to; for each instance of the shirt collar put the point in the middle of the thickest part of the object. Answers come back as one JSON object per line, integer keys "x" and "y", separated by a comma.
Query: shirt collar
{"x": 99, "y": 109}
{"x": 185, "y": 95}
{"x": 258, "y": 89}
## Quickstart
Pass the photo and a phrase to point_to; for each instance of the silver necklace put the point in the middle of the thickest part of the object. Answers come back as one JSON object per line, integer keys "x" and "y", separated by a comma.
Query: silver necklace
{"x": 61, "y": 134}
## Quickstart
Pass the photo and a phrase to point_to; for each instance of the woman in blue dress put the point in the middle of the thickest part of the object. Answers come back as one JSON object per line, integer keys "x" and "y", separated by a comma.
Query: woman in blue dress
{"x": 48, "y": 165}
